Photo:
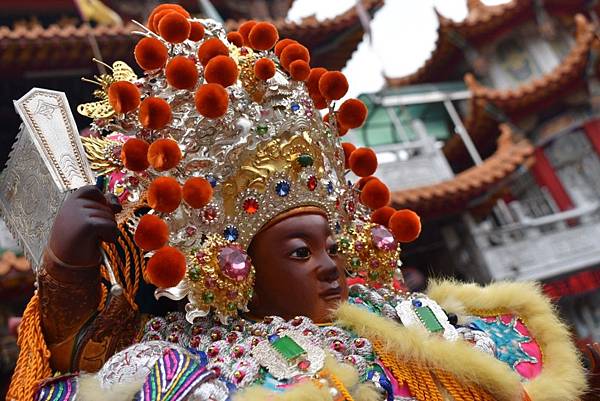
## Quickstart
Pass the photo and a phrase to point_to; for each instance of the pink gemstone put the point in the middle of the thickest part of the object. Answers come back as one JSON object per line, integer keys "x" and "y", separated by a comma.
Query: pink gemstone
{"x": 234, "y": 263}
{"x": 383, "y": 238}
{"x": 359, "y": 246}
{"x": 200, "y": 256}
{"x": 190, "y": 230}
{"x": 339, "y": 346}
{"x": 304, "y": 365}
{"x": 374, "y": 263}
{"x": 232, "y": 295}
{"x": 210, "y": 282}
{"x": 243, "y": 51}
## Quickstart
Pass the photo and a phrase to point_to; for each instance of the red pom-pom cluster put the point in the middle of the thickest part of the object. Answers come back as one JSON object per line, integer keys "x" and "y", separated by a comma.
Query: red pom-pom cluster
{"x": 348, "y": 149}
{"x": 282, "y": 45}
{"x": 211, "y": 100}
{"x": 155, "y": 113}
{"x": 382, "y": 215}
{"x": 197, "y": 192}
{"x": 405, "y": 225}
{"x": 151, "y": 233}
{"x": 211, "y": 48}
{"x": 181, "y": 73}
{"x": 352, "y": 113}
{"x": 363, "y": 162}
{"x": 161, "y": 11}
{"x": 150, "y": 54}
{"x": 263, "y": 36}
{"x": 134, "y": 154}
{"x": 164, "y": 194}
{"x": 166, "y": 268}
{"x": 221, "y": 70}
{"x": 164, "y": 154}
{"x": 123, "y": 96}
{"x": 375, "y": 194}
{"x": 174, "y": 27}
{"x": 264, "y": 68}
{"x": 292, "y": 53}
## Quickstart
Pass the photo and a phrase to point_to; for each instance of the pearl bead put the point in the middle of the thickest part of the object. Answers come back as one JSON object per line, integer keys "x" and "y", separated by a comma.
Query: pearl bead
{"x": 334, "y": 392}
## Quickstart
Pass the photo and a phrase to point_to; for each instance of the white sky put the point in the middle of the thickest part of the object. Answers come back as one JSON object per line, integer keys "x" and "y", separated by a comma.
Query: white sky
{"x": 404, "y": 34}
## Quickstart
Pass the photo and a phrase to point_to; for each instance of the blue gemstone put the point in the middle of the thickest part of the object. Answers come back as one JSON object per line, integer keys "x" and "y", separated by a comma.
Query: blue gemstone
{"x": 330, "y": 187}
{"x": 338, "y": 227}
{"x": 282, "y": 188}
{"x": 295, "y": 107}
{"x": 272, "y": 338}
{"x": 231, "y": 233}
{"x": 212, "y": 180}
{"x": 416, "y": 303}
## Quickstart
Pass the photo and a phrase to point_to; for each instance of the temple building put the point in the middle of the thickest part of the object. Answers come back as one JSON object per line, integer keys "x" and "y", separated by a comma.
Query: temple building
{"x": 497, "y": 139}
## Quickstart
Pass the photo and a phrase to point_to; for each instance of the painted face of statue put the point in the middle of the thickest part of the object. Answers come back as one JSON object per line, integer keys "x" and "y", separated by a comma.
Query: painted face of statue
{"x": 298, "y": 269}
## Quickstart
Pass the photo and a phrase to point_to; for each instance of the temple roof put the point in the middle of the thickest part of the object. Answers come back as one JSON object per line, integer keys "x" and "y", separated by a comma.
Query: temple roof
{"x": 331, "y": 42}
{"x": 481, "y": 25}
{"x": 524, "y": 99}
{"x": 455, "y": 195}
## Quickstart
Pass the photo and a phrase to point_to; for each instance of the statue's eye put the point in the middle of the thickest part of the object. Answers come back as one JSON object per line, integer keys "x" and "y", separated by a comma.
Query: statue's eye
{"x": 301, "y": 253}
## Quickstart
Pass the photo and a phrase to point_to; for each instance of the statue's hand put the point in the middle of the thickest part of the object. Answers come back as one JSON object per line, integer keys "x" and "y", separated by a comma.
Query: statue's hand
{"x": 85, "y": 219}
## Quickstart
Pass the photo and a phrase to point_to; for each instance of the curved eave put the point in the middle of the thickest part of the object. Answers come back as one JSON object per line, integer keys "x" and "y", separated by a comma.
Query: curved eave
{"x": 455, "y": 195}
{"x": 538, "y": 90}
{"x": 332, "y": 41}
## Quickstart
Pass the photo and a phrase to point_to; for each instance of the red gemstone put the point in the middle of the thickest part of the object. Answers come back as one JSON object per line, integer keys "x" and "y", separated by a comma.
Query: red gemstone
{"x": 304, "y": 365}
{"x": 238, "y": 351}
{"x": 374, "y": 263}
{"x": 350, "y": 208}
{"x": 210, "y": 282}
{"x": 232, "y": 337}
{"x": 359, "y": 246}
{"x": 339, "y": 346}
{"x": 359, "y": 342}
{"x": 210, "y": 214}
{"x": 212, "y": 351}
{"x": 134, "y": 181}
{"x": 200, "y": 256}
{"x": 190, "y": 230}
{"x": 243, "y": 51}
{"x": 297, "y": 321}
{"x": 250, "y": 206}
{"x": 197, "y": 330}
{"x": 195, "y": 342}
{"x": 312, "y": 183}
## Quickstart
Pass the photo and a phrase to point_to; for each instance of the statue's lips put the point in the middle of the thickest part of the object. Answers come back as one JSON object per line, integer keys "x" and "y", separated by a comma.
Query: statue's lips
{"x": 333, "y": 292}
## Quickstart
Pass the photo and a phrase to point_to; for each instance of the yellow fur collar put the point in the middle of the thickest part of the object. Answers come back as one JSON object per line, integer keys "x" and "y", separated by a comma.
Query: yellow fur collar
{"x": 562, "y": 377}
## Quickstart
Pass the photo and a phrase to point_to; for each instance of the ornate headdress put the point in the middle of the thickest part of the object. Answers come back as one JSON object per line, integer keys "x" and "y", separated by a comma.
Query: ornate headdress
{"x": 219, "y": 136}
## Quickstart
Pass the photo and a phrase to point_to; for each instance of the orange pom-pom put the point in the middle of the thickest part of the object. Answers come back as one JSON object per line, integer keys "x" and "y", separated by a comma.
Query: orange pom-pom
{"x": 363, "y": 181}
{"x": 342, "y": 129}
{"x": 211, "y": 100}
{"x": 245, "y": 29}
{"x": 293, "y": 52}
{"x": 196, "y": 31}
{"x": 155, "y": 113}
{"x": 174, "y": 27}
{"x": 263, "y": 36}
{"x": 264, "y": 68}
{"x": 375, "y": 194}
{"x": 382, "y": 215}
{"x": 164, "y": 194}
{"x": 282, "y": 45}
{"x": 236, "y": 38}
{"x": 166, "y": 268}
{"x": 333, "y": 85}
{"x": 312, "y": 82}
{"x": 161, "y": 10}
{"x": 164, "y": 154}
{"x": 197, "y": 192}
{"x": 299, "y": 70}
{"x": 123, "y": 96}
{"x": 211, "y": 48}
{"x": 363, "y": 162}
{"x": 348, "y": 149}
{"x": 405, "y": 225}
{"x": 319, "y": 101}
{"x": 181, "y": 73}
{"x": 352, "y": 113}
{"x": 221, "y": 70}
{"x": 151, "y": 233}
{"x": 134, "y": 154}
{"x": 150, "y": 54}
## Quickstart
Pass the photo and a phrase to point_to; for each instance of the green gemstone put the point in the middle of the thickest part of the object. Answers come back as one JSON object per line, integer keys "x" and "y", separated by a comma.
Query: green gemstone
{"x": 262, "y": 129}
{"x": 305, "y": 160}
{"x": 344, "y": 243}
{"x": 373, "y": 275}
{"x": 288, "y": 348}
{"x": 427, "y": 317}
{"x": 208, "y": 297}
{"x": 194, "y": 274}
{"x": 355, "y": 262}
{"x": 231, "y": 306}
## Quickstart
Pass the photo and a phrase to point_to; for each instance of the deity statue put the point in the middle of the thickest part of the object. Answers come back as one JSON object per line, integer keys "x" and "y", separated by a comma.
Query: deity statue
{"x": 212, "y": 260}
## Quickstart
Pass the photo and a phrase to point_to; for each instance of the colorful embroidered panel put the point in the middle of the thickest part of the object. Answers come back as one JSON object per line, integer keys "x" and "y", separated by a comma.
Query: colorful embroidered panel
{"x": 62, "y": 389}
{"x": 514, "y": 343}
